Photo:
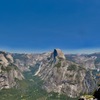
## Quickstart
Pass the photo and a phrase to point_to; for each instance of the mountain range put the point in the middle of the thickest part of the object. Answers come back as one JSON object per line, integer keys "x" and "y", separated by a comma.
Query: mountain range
{"x": 69, "y": 74}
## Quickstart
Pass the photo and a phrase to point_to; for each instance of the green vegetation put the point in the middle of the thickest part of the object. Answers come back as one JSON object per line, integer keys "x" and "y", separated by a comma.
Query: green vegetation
{"x": 9, "y": 68}
{"x": 30, "y": 89}
{"x": 5, "y": 68}
{"x": 72, "y": 68}
{"x": 81, "y": 68}
{"x": 58, "y": 65}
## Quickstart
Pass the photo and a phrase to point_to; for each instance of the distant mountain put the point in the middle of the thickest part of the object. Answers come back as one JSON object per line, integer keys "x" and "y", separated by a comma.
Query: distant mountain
{"x": 25, "y": 61}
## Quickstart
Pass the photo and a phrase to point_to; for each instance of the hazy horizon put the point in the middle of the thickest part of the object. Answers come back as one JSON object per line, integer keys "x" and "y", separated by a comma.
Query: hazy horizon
{"x": 65, "y": 51}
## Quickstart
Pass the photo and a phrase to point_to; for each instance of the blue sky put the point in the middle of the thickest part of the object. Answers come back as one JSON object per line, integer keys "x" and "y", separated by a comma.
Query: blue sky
{"x": 41, "y": 25}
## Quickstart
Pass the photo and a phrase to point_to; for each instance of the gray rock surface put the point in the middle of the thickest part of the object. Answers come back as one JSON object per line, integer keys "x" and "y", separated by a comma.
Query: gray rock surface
{"x": 65, "y": 77}
{"x": 65, "y": 74}
{"x": 8, "y": 71}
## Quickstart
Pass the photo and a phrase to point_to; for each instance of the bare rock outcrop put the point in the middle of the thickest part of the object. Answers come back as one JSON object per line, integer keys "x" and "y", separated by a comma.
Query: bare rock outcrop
{"x": 58, "y": 54}
{"x": 8, "y": 71}
{"x": 3, "y": 60}
{"x": 65, "y": 77}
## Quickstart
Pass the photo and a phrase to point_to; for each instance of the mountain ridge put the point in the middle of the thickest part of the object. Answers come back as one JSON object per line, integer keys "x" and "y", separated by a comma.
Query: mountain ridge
{"x": 66, "y": 74}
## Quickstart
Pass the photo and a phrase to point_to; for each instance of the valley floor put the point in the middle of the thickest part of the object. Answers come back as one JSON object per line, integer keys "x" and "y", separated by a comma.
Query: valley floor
{"x": 30, "y": 89}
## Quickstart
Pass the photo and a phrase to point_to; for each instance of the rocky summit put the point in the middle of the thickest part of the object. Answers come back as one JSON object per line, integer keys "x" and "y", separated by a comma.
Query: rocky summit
{"x": 65, "y": 77}
{"x": 58, "y": 53}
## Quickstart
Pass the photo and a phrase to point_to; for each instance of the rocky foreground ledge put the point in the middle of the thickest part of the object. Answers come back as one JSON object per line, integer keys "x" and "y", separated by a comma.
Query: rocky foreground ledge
{"x": 96, "y": 96}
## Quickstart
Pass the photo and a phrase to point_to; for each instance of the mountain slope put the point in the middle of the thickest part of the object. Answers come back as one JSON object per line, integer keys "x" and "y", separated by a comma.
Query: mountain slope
{"x": 8, "y": 71}
{"x": 64, "y": 76}
{"x": 71, "y": 75}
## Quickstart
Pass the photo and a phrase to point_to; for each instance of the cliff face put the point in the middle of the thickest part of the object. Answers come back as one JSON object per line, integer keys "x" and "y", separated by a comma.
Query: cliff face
{"x": 8, "y": 71}
{"x": 58, "y": 54}
{"x": 64, "y": 76}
